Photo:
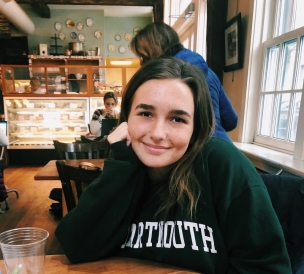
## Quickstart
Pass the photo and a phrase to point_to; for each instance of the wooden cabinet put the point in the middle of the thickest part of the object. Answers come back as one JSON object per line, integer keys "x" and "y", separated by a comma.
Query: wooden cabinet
{"x": 66, "y": 76}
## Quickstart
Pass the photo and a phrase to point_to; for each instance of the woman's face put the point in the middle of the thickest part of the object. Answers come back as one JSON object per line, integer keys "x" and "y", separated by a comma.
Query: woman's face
{"x": 161, "y": 121}
{"x": 110, "y": 104}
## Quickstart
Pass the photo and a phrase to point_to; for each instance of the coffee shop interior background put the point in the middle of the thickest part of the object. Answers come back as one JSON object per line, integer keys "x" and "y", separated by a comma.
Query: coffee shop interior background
{"x": 86, "y": 24}
{"x": 93, "y": 26}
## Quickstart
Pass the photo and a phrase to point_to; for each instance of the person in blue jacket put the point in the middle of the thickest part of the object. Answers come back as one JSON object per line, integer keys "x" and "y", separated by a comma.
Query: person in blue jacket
{"x": 159, "y": 39}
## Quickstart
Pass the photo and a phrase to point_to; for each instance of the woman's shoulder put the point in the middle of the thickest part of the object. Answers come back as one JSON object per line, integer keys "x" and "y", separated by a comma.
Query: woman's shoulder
{"x": 222, "y": 153}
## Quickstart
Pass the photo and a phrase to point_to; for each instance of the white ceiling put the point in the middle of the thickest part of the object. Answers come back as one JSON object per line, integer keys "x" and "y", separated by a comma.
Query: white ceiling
{"x": 112, "y": 11}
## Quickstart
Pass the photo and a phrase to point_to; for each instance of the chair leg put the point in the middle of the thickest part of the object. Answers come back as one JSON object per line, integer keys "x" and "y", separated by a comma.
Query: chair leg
{"x": 6, "y": 200}
{"x": 6, "y": 204}
{"x": 13, "y": 190}
{"x": 1, "y": 212}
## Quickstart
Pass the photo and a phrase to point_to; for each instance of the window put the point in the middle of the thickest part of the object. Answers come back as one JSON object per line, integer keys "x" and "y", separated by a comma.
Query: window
{"x": 281, "y": 88}
{"x": 192, "y": 30}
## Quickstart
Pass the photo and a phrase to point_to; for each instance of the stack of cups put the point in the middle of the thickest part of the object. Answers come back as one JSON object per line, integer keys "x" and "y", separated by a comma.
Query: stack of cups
{"x": 23, "y": 250}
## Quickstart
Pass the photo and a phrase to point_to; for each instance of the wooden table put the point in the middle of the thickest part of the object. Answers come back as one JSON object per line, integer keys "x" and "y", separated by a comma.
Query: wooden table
{"x": 55, "y": 264}
{"x": 49, "y": 171}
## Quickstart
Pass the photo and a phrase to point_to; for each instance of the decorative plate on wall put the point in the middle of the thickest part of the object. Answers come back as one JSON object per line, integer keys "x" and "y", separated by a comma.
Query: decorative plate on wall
{"x": 89, "y": 22}
{"x": 122, "y": 49}
{"x": 80, "y": 26}
{"x": 81, "y": 37}
{"x": 61, "y": 36}
{"x": 136, "y": 30}
{"x": 58, "y": 26}
{"x": 117, "y": 37}
{"x": 111, "y": 47}
{"x": 98, "y": 34}
{"x": 128, "y": 36}
{"x": 70, "y": 23}
{"x": 73, "y": 35}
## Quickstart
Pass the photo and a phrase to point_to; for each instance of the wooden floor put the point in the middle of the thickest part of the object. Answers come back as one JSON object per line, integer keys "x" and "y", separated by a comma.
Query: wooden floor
{"x": 32, "y": 206}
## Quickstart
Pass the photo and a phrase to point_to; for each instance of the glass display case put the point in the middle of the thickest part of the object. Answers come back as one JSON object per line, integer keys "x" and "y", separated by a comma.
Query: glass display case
{"x": 37, "y": 121}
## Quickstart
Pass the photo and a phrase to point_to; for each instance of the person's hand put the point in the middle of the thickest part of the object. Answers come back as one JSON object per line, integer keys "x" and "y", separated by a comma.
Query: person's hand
{"x": 119, "y": 134}
{"x": 107, "y": 112}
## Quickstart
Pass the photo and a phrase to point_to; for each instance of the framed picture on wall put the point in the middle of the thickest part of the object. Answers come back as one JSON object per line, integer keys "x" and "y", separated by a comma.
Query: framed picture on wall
{"x": 233, "y": 46}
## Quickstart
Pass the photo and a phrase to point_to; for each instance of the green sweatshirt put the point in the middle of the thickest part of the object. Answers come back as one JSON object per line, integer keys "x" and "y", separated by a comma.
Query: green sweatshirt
{"x": 235, "y": 229}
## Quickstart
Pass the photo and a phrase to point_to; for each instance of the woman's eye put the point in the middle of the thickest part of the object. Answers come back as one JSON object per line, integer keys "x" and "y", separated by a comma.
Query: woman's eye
{"x": 178, "y": 120}
{"x": 145, "y": 114}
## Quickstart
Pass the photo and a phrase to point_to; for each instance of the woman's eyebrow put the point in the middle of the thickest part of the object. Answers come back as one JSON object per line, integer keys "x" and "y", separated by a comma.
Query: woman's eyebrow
{"x": 174, "y": 111}
{"x": 180, "y": 112}
{"x": 145, "y": 106}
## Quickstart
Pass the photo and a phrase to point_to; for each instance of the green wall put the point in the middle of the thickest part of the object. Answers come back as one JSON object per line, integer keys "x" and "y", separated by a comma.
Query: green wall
{"x": 120, "y": 26}
{"x": 109, "y": 26}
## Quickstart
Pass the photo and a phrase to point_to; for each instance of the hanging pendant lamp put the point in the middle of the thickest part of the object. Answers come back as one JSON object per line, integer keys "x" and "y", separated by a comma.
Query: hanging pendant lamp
{"x": 16, "y": 15}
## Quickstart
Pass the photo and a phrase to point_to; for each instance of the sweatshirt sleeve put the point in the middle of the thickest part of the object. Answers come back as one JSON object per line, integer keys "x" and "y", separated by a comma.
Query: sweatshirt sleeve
{"x": 100, "y": 222}
{"x": 221, "y": 103}
{"x": 95, "y": 127}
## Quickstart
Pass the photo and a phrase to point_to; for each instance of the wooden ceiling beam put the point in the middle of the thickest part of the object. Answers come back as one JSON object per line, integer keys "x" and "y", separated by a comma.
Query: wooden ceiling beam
{"x": 42, "y": 9}
{"x": 95, "y": 2}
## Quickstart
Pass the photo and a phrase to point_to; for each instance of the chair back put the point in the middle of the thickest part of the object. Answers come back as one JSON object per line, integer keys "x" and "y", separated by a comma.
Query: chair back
{"x": 74, "y": 180}
{"x": 287, "y": 197}
{"x": 92, "y": 150}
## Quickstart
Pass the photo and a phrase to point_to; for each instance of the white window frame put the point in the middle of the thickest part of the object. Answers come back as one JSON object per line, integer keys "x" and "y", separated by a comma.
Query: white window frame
{"x": 254, "y": 59}
{"x": 176, "y": 9}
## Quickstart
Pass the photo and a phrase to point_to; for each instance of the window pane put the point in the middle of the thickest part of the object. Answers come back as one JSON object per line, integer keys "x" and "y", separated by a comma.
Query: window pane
{"x": 289, "y": 51}
{"x": 300, "y": 68}
{"x": 266, "y": 114}
{"x": 284, "y": 17}
{"x": 299, "y": 18}
{"x": 271, "y": 68}
{"x": 282, "y": 116}
{"x": 295, "y": 117}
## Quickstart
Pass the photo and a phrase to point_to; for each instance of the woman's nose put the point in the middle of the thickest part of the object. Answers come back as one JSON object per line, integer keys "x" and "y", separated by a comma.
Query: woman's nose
{"x": 158, "y": 130}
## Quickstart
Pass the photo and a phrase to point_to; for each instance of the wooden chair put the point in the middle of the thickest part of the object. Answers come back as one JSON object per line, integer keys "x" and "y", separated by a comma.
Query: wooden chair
{"x": 5, "y": 190}
{"x": 74, "y": 180}
{"x": 92, "y": 150}
{"x": 287, "y": 197}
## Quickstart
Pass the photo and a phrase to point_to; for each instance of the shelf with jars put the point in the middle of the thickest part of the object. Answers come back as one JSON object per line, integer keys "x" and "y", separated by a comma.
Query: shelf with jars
{"x": 50, "y": 79}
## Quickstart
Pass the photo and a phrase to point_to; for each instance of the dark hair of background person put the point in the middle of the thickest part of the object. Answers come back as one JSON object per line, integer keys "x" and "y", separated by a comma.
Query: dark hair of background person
{"x": 182, "y": 184}
{"x": 108, "y": 95}
{"x": 155, "y": 40}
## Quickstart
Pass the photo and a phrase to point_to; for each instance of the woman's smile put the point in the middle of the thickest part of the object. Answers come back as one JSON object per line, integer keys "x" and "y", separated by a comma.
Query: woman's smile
{"x": 155, "y": 149}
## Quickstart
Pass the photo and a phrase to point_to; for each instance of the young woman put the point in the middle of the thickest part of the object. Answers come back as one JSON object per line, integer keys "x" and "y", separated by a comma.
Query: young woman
{"x": 159, "y": 39}
{"x": 110, "y": 102}
{"x": 172, "y": 193}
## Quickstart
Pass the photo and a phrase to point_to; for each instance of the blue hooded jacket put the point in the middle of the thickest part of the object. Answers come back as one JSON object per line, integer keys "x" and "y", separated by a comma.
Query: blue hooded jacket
{"x": 225, "y": 116}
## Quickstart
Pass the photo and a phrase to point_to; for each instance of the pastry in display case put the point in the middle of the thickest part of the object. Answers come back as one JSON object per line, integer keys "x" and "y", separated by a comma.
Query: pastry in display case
{"x": 38, "y": 121}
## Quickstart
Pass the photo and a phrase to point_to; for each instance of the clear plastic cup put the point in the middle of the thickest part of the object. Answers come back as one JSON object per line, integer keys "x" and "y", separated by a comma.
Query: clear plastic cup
{"x": 23, "y": 250}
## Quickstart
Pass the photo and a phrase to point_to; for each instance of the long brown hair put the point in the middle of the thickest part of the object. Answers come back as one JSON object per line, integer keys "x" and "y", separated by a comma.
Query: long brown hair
{"x": 182, "y": 183}
{"x": 155, "y": 40}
